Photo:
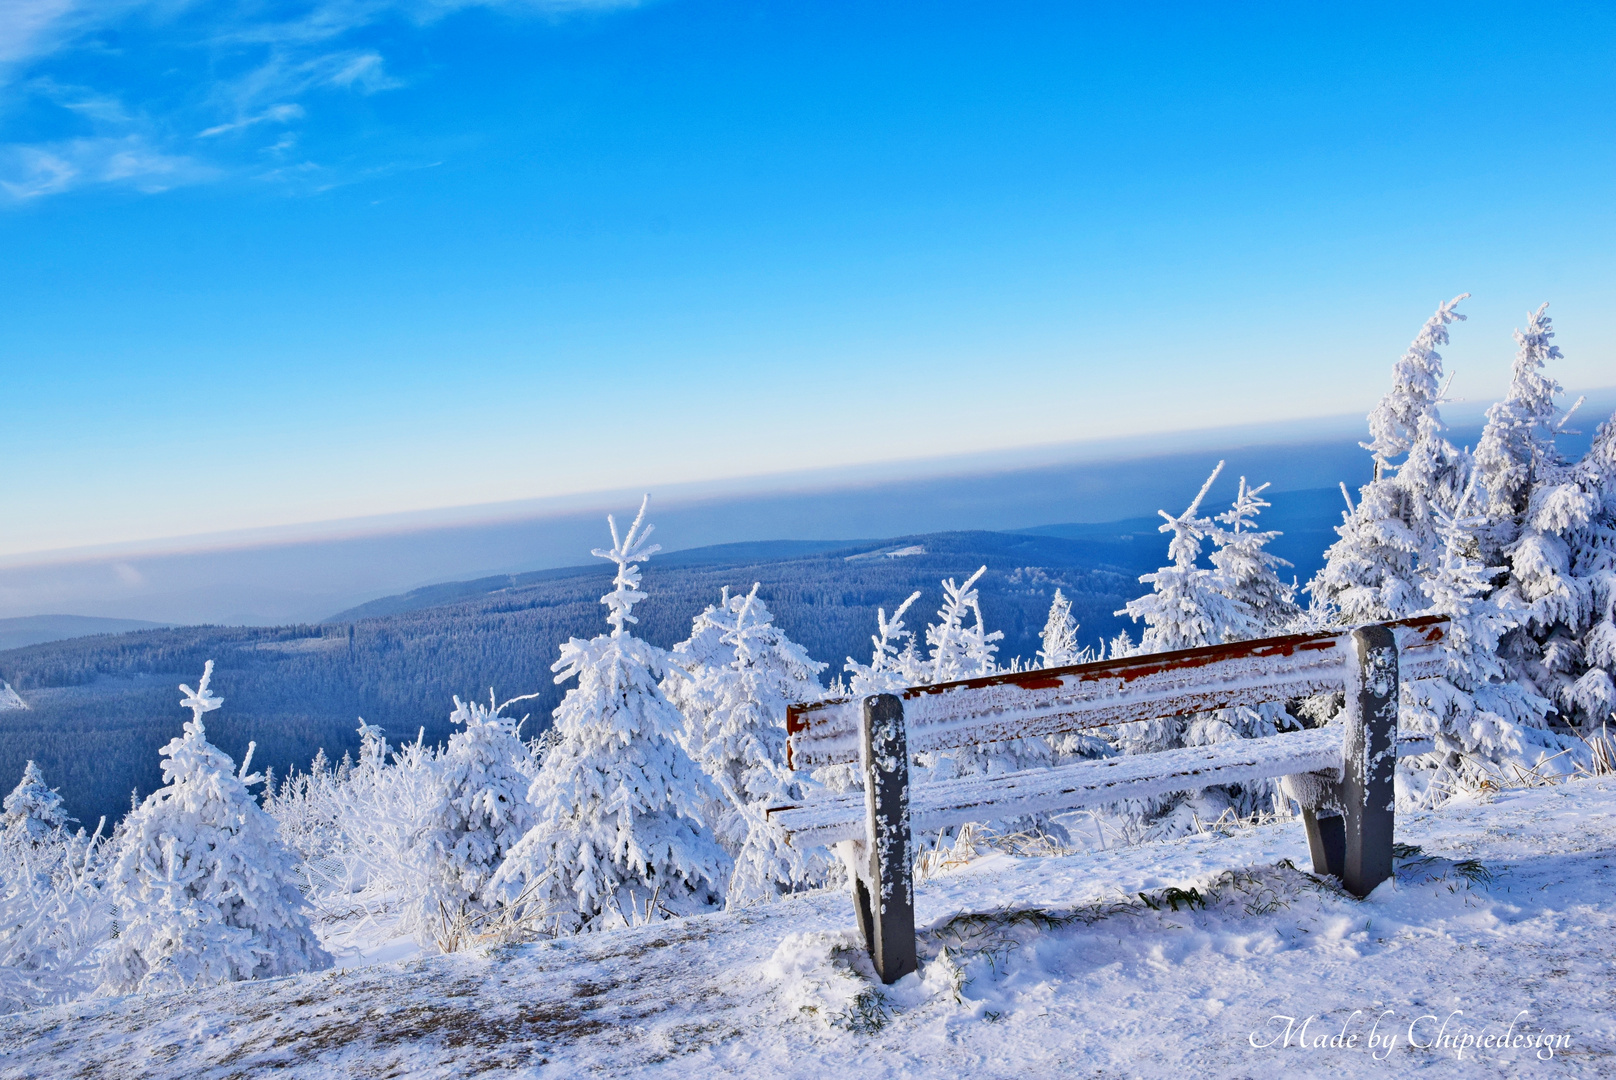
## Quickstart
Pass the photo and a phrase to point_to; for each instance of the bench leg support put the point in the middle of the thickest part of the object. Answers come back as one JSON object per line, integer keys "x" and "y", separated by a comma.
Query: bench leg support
{"x": 1326, "y": 842}
{"x": 1367, "y": 794}
{"x": 1350, "y": 818}
{"x": 884, "y": 896}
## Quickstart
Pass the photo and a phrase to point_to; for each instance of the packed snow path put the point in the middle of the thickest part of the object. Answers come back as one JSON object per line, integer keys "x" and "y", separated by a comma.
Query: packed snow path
{"x": 1507, "y": 916}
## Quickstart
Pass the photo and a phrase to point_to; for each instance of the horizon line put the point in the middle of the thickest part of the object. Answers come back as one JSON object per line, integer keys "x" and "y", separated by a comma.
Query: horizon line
{"x": 825, "y": 478}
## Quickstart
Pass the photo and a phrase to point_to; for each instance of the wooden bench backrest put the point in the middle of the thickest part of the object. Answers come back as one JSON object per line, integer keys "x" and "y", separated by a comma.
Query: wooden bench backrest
{"x": 1054, "y": 701}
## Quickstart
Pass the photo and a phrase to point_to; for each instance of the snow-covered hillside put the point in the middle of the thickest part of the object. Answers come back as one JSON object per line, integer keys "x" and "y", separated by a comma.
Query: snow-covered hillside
{"x": 1502, "y": 924}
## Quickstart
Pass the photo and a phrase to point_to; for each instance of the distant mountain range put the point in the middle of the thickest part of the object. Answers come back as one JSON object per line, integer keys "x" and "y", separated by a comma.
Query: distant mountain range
{"x": 99, "y": 707}
{"x": 33, "y": 629}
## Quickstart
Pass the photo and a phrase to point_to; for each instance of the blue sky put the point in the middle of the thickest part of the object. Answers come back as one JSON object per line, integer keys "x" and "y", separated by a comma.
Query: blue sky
{"x": 283, "y": 262}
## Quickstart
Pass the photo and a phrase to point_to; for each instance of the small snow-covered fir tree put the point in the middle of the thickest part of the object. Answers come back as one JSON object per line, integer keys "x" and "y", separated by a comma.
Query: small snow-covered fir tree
{"x": 961, "y": 647}
{"x": 202, "y": 882}
{"x": 1247, "y": 573}
{"x": 54, "y": 914}
{"x": 386, "y": 811}
{"x": 1516, "y": 450}
{"x": 620, "y": 804}
{"x": 304, "y": 809}
{"x": 735, "y": 698}
{"x": 895, "y": 663}
{"x": 482, "y": 810}
{"x": 706, "y": 650}
{"x": 1060, "y": 636}
{"x": 1187, "y": 606}
{"x": 33, "y": 810}
{"x": 1261, "y": 605}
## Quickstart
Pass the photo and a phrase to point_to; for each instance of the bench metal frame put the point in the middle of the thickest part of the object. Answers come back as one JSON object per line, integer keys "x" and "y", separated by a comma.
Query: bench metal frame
{"x": 1351, "y": 763}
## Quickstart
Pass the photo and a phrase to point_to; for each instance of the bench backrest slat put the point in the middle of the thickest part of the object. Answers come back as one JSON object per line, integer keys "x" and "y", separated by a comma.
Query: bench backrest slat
{"x": 1058, "y": 700}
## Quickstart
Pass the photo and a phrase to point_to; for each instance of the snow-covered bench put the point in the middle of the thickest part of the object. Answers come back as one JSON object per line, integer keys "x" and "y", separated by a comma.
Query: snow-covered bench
{"x": 1344, "y": 771}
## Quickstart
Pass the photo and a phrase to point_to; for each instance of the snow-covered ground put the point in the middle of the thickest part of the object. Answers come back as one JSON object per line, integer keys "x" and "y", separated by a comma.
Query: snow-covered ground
{"x": 1504, "y": 924}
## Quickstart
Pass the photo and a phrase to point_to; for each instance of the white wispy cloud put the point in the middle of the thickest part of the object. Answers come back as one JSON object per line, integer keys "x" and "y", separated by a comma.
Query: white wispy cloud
{"x": 253, "y": 64}
{"x": 276, "y": 114}
{"x": 31, "y": 171}
{"x": 31, "y": 27}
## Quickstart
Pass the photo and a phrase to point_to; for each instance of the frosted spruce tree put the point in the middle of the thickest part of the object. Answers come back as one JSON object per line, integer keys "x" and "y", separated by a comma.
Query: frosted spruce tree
{"x": 1247, "y": 573}
{"x": 481, "y": 813}
{"x": 1592, "y": 697}
{"x": 1540, "y": 519}
{"x": 54, "y": 914}
{"x": 704, "y": 651}
{"x": 1476, "y": 708}
{"x": 1389, "y": 539}
{"x": 620, "y": 806}
{"x": 386, "y": 810}
{"x": 305, "y": 811}
{"x": 961, "y": 646}
{"x": 1516, "y": 451}
{"x": 895, "y": 662}
{"x": 1059, "y": 637}
{"x": 1188, "y": 605}
{"x": 202, "y": 883}
{"x": 33, "y": 810}
{"x": 735, "y": 698}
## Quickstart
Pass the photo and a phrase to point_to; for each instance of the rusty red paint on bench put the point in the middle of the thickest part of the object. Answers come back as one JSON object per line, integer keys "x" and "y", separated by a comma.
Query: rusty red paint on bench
{"x": 1420, "y": 634}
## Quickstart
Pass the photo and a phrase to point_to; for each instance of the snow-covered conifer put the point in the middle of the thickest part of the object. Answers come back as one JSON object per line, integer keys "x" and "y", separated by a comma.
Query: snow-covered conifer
{"x": 735, "y": 697}
{"x": 703, "y": 652}
{"x": 1247, "y": 574}
{"x": 1426, "y": 536}
{"x": 387, "y": 810}
{"x": 1389, "y": 538}
{"x": 1185, "y": 608}
{"x": 53, "y": 910}
{"x": 1060, "y": 636}
{"x": 1477, "y": 709}
{"x": 1541, "y": 518}
{"x": 33, "y": 810}
{"x": 961, "y": 647}
{"x": 54, "y": 913}
{"x": 1189, "y": 607}
{"x": 895, "y": 662}
{"x": 482, "y": 809}
{"x": 304, "y": 807}
{"x": 202, "y": 882}
{"x": 1516, "y": 449}
{"x": 620, "y": 805}
{"x": 1592, "y": 697}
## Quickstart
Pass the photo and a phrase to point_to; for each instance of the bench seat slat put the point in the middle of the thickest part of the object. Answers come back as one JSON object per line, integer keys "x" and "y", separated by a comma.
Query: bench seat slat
{"x": 1069, "y": 787}
{"x": 1054, "y": 701}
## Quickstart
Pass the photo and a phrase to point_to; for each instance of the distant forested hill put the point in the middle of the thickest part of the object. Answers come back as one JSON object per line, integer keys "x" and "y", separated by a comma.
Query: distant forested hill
{"x": 100, "y": 707}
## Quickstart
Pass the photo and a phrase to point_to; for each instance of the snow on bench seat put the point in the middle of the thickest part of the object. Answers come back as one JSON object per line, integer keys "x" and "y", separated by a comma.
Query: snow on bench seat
{"x": 937, "y": 805}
